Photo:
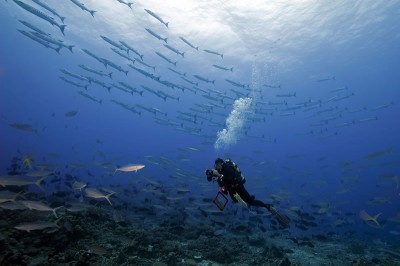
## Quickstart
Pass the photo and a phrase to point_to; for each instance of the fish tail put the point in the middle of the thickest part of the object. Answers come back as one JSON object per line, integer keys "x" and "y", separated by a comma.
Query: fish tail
{"x": 166, "y": 24}
{"x": 165, "y": 40}
{"x": 375, "y": 219}
{"x": 183, "y": 54}
{"x": 62, "y": 28}
{"x": 92, "y": 13}
{"x": 70, "y": 48}
{"x": 126, "y": 72}
{"x": 110, "y": 75}
{"x": 54, "y": 211}
{"x": 231, "y": 69}
{"x": 130, "y": 5}
{"x": 197, "y": 48}
{"x": 86, "y": 86}
{"x": 56, "y": 222}
{"x": 108, "y": 196}
{"x": 62, "y": 19}
{"x": 141, "y": 56}
{"x": 37, "y": 183}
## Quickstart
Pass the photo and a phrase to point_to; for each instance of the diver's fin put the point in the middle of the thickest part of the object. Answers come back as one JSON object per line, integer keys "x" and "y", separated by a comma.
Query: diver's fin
{"x": 282, "y": 219}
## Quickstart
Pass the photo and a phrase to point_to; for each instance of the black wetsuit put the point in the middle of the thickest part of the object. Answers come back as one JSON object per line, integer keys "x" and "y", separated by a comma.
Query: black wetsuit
{"x": 233, "y": 182}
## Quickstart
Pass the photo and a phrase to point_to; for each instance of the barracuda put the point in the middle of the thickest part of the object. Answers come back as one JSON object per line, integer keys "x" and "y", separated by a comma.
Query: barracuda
{"x": 40, "y": 14}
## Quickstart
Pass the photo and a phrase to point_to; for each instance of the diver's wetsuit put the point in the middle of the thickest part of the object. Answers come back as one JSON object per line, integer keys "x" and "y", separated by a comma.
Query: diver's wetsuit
{"x": 233, "y": 183}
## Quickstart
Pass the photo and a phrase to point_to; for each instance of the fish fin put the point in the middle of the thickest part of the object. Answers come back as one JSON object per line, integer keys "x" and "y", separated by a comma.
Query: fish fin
{"x": 375, "y": 219}
{"x": 62, "y": 28}
{"x": 108, "y": 196}
{"x": 54, "y": 211}
{"x": 37, "y": 183}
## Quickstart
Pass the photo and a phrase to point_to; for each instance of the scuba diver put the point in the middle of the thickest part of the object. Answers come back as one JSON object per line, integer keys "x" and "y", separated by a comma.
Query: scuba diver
{"x": 231, "y": 180}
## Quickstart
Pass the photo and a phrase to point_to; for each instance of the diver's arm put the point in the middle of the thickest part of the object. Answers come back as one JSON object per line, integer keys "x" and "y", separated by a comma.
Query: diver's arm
{"x": 216, "y": 173}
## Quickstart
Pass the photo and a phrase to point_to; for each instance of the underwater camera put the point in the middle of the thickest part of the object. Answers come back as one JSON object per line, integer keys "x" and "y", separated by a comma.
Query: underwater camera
{"x": 209, "y": 174}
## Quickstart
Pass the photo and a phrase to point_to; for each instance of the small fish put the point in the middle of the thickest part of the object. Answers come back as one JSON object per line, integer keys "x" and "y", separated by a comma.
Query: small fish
{"x": 126, "y": 3}
{"x": 78, "y": 185}
{"x": 12, "y": 206}
{"x": 326, "y": 79}
{"x": 39, "y": 173}
{"x": 378, "y": 154}
{"x": 54, "y": 12}
{"x": 39, "y": 206}
{"x": 16, "y": 180}
{"x": 213, "y": 52}
{"x": 188, "y": 43}
{"x": 71, "y": 113}
{"x": 83, "y": 7}
{"x": 174, "y": 50}
{"x": 40, "y": 14}
{"x": 156, "y": 17}
{"x": 96, "y": 194}
{"x": 24, "y": 127}
{"x": 33, "y": 27}
{"x": 223, "y": 68}
{"x": 156, "y": 35}
{"x": 38, "y": 225}
{"x": 130, "y": 168}
{"x": 367, "y": 218}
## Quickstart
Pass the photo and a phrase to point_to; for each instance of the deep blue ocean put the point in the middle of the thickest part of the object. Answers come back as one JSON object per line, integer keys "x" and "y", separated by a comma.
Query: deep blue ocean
{"x": 302, "y": 95}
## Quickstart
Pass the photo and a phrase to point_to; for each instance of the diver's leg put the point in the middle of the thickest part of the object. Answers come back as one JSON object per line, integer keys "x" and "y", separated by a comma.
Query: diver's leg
{"x": 244, "y": 194}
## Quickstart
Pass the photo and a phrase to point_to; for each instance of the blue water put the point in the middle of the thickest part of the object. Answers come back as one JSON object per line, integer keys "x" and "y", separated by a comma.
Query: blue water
{"x": 298, "y": 148}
